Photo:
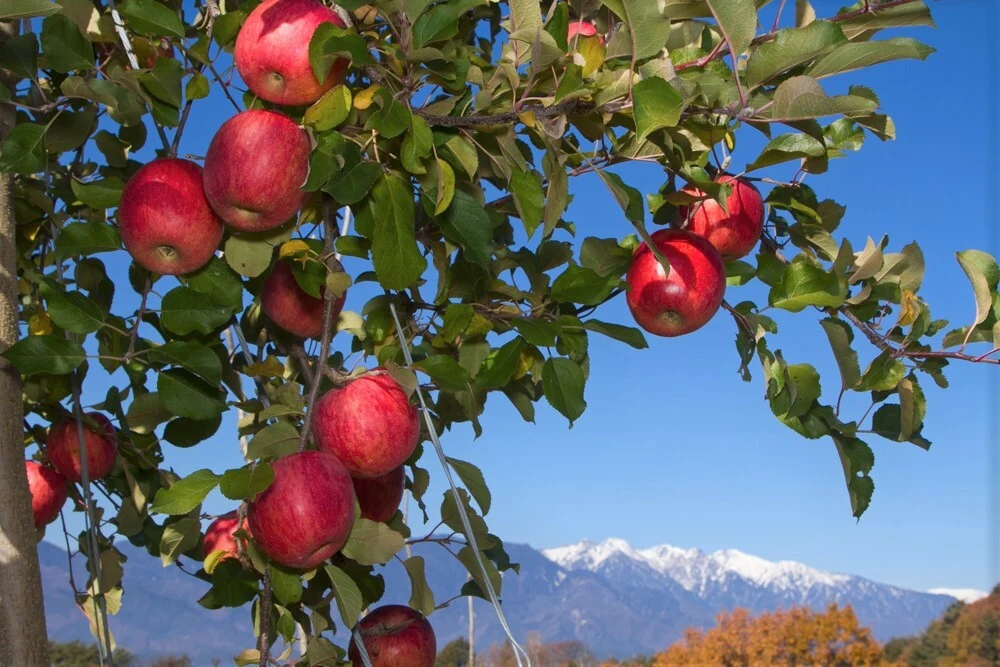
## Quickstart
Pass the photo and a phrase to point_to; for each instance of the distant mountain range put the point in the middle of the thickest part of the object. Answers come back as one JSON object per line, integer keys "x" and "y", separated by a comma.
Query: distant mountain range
{"x": 619, "y": 600}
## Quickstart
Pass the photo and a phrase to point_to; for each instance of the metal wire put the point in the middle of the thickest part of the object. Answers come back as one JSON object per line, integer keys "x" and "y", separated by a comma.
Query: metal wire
{"x": 463, "y": 515}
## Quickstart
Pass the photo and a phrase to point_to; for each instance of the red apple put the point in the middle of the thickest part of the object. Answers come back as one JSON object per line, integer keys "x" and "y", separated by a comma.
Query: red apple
{"x": 291, "y": 307}
{"x": 379, "y": 497}
{"x": 396, "y": 636}
{"x": 272, "y": 51}
{"x": 734, "y": 233}
{"x": 165, "y": 219}
{"x": 686, "y": 299}
{"x": 306, "y": 515}
{"x": 48, "y": 492}
{"x": 63, "y": 448}
{"x": 254, "y": 170}
{"x": 219, "y": 535}
{"x": 369, "y": 424}
{"x": 582, "y": 28}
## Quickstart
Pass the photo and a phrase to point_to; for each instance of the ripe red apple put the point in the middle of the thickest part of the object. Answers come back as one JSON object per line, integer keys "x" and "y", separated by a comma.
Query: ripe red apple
{"x": 306, "y": 515}
{"x": 165, "y": 219}
{"x": 379, "y": 497}
{"x": 219, "y": 535}
{"x": 734, "y": 233}
{"x": 369, "y": 424}
{"x": 582, "y": 28}
{"x": 272, "y": 51}
{"x": 686, "y": 299}
{"x": 396, "y": 636}
{"x": 48, "y": 492}
{"x": 291, "y": 307}
{"x": 63, "y": 448}
{"x": 254, "y": 169}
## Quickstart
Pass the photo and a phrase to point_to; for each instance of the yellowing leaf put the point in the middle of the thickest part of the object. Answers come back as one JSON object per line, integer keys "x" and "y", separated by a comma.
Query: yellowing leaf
{"x": 527, "y": 117}
{"x": 213, "y": 559}
{"x": 910, "y": 310}
{"x": 593, "y": 51}
{"x": 271, "y": 367}
{"x": 364, "y": 99}
{"x": 293, "y": 248}
{"x": 40, "y": 324}
{"x": 338, "y": 282}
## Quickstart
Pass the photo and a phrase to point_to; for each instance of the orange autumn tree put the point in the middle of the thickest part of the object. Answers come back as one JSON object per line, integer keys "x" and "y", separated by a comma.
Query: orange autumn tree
{"x": 785, "y": 637}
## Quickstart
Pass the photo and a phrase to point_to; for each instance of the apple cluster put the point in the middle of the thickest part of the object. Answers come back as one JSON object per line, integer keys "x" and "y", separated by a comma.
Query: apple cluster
{"x": 686, "y": 298}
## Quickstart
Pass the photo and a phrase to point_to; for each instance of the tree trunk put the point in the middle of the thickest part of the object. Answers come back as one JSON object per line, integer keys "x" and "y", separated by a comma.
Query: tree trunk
{"x": 23, "y": 639}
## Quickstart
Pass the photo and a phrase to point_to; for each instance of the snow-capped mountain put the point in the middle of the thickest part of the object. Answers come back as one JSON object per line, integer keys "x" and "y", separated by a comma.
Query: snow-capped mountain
{"x": 966, "y": 595}
{"x": 728, "y": 579}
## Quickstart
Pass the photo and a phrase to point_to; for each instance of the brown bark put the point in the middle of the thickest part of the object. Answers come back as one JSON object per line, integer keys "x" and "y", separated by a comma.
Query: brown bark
{"x": 23, "y": 638}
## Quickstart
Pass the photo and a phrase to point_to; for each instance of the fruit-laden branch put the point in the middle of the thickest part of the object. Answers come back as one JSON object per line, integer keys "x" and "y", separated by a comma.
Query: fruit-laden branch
{"x": 329, "y": 301}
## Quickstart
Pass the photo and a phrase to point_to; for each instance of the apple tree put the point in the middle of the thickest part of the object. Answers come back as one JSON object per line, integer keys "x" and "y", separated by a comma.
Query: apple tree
{"x": 434, "y": 142}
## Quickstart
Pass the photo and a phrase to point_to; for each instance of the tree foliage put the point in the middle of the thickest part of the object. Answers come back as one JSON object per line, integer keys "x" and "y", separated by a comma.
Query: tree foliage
{"x": 966, "y": 634}
{"x": 786, "y": 637}
{"x": 453, "y": 141}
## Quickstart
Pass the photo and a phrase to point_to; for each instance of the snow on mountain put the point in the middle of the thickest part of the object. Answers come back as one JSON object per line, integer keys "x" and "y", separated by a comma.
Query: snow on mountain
{"x": 966, "y": 595}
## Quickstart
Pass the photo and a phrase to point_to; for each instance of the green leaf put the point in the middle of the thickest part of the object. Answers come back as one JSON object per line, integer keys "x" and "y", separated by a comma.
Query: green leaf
{"x": 197, "y": 87}
{"x": 372, "y": 543}
{"x": 73, "y": 311}
{"x": 184, "y": 310}
{"x": 45, "y": 354}
{"x": 583, "y": 286}
{"x": 232, "y": 586}
{"x": 218, "y": 281}
{"x": 86, "y": 238}
{"x": 475, "y": 483}
{"x": 903, "y": 16}
{"x": 445, "y": 371}
{"x": 790, "y": 48}
{"x": 185, "y": 494}
{"x": 146, "y": 412}
{"x": 882, "y": 374}
{"x": 151, "y": 18}
{"x": 330, "y": 43}
{"x": 802, "y": 98}
{"x": 657, "y": 105}
{"x": 468, "y": 225}
{"x": 179, "y": 536}
{"x": 285, "y": 584}
{"x": 23, "y": 151}
{"x": 330, "y": 111}
{"x": 19, "y": 54}
{"x": 857, "y": 460}
{"x": 101, "y": 195}
{"x": 605, "y": 256}
{"x": 248, "y": 255}
{"x": 350, "y": 602}
{"x": 445, "y": 186}
{"x": 274, "y": 441}
{"x": 841, "y": 336}
{"x": 64, "y": 46}
{"x": 421, "y": 595}
{"x": 441, "y": 21}
{"x": 648, "y": 29}
{"x": 392, "y": 117}
{"x": 352, "y": 183}
{"x": 417, "y": 145}
{"x": 245, "y": 483}
{"x": 786, "y": 147}
{"x": 737, "y": 20}
{"x": 397, "y": 259}
{"x": 500, "y": 365}
{"x": 805, "y": 381}
{"x": 984, "y": 274}
{"x": 537, "y": 332}
{"x": 164, "y": 81}
{"x": 191, "y": 355}
{"x": 804, "y": 284}
{"x": 26, "y": 9}
{"x": 525, "y": 17}
{"x": 562, "y": 384}
{"x": 186, "y": 395}
{"x": 184, "y": 432}
{"x": 629, "y": 335}
{"x": 859, "y": 55}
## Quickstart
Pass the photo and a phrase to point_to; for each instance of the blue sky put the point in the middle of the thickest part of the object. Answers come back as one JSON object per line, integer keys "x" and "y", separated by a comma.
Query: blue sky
{"x": 675, "y": 448}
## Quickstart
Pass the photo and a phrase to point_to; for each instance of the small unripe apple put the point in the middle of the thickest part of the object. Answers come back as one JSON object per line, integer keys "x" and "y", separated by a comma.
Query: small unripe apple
{"x": 291, "y": 307}
{"x": 396, "y": 636}
{"x": 63, "y": 448}
{"x": 166, "y": 222}
{"x": 255, "y": 168}
{"x": 369, "y": 424}
{"x": 685, "y": 300}
{"x": 272, "y": 51}
{"x": 219, "y": 536}
{"x": 48, "y": 492}
{"x": 735, "y": 232}
{"x": 379, "y": 497}
{"x": 306, "y": 515}
{"x": 582, "y": 28}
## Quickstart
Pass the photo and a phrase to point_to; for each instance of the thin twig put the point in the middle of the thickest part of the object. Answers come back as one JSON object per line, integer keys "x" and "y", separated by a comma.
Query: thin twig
{"x": 138, "y": 320}
{"x": 304, "y": 366}
{"x": 265, "y": 621}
